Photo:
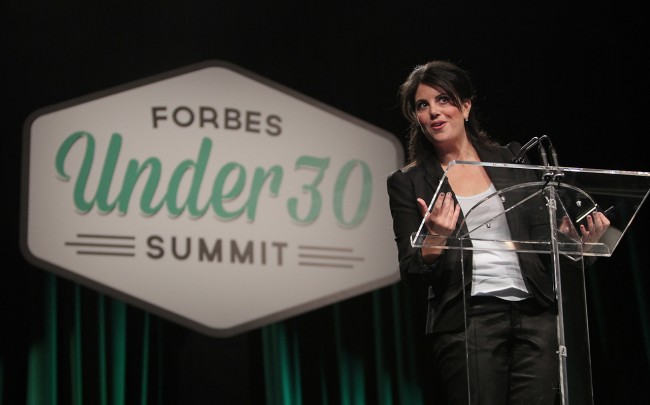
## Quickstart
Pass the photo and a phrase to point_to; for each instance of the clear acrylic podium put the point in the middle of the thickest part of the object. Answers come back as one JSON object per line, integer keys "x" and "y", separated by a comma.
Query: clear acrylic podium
{"x": 553, "y": 202}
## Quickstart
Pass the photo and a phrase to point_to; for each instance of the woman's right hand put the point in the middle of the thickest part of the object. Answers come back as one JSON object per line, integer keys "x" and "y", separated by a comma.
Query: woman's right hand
{"x": 443, "y": 216}
{"x": 440, "y": 223}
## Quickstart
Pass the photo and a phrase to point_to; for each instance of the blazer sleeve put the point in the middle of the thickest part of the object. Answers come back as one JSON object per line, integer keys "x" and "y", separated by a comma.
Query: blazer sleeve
{"x": 406, "y": 220}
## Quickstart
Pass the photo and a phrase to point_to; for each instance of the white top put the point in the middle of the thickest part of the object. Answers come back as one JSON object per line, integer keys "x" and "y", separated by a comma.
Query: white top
{"x": 495, "y": 272}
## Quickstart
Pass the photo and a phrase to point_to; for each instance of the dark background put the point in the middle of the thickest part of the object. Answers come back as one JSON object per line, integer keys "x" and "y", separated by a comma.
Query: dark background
{"x": 575, "y": 72}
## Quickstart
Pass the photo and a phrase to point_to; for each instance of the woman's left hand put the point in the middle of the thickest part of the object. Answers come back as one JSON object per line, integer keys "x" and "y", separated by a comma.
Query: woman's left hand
{"x": 597, "y": 224}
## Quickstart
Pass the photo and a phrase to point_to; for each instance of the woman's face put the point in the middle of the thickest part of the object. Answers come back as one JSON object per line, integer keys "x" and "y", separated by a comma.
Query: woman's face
{"x": 440, "y": 120}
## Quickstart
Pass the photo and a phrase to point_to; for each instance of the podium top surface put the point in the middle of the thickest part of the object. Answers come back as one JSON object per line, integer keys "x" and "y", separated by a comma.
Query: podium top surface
{"x": 527, "y": 191}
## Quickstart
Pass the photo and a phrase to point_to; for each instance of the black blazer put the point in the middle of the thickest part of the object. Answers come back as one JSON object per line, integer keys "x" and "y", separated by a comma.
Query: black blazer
{"x": 443, "y": 278}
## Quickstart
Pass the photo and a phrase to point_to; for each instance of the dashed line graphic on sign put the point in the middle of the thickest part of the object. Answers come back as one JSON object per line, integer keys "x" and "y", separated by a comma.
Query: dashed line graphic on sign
{"x": 324, "y": 256}
{"x": 103, "y": 245}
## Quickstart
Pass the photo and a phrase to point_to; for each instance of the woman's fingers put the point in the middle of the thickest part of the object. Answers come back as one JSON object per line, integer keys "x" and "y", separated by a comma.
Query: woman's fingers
{"x": 423, "y": 207}
{"x": 443, "y": 216}
{"x": 597, "y": 224}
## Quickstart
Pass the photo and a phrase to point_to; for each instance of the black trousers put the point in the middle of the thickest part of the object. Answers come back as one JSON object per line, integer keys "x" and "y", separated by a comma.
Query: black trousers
{"x": 511, "y": 355}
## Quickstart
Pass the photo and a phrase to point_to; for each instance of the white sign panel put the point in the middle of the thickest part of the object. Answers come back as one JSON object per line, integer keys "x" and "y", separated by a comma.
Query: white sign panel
{"x": 210, "y": 196}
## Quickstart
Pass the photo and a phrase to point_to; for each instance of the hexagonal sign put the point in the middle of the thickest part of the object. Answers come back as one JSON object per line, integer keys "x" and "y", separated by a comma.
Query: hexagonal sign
{"x": 210, "y": 196}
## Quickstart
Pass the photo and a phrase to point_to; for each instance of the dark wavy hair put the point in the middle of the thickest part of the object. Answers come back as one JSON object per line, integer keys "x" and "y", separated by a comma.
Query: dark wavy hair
{"x": 448, "y": 78}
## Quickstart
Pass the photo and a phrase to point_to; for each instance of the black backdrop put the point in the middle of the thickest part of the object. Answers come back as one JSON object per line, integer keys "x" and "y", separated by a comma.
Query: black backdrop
{"x": 577, "y": 73}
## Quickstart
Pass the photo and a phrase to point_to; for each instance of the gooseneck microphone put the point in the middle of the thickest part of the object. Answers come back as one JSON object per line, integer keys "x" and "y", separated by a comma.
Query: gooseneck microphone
{"x": 558, "y": 172}
{"x": 524, "y": 149}
{"x": 553, "y": 152}
{"x": 542, "y": 151}
{"x": 544, "y": 145}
